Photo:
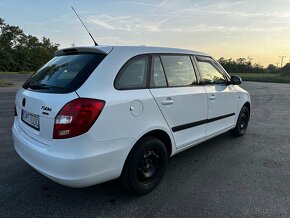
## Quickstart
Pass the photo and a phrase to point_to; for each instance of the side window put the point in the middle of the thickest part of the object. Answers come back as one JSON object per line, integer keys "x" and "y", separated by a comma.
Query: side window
{"x": 179, "y": 70}
{"x": 157, "y": 78}
{"x": 209, "y": 74}
{"x": 133, "y": 74}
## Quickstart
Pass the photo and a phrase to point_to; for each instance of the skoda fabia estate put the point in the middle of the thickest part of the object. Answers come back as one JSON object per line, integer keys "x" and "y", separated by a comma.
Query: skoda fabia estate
{"x": 93, "y": 114}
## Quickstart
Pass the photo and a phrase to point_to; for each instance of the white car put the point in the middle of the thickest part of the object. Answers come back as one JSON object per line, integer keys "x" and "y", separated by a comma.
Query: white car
{"x": 93, "y": 114}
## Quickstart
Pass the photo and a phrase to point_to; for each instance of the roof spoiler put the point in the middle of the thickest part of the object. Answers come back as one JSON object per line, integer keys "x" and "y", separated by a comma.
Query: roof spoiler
{"x": 77, "y": 50}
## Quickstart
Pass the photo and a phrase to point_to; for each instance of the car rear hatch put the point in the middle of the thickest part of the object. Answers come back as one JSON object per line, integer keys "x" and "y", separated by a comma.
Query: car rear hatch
{"x": 36, "y": 112}
{"x": 45, "y": 93}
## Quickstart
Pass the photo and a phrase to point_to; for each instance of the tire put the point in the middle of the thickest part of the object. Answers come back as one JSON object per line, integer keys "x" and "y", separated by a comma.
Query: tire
{"x": 145, "y": 166}
{"x": 242, "y": 123}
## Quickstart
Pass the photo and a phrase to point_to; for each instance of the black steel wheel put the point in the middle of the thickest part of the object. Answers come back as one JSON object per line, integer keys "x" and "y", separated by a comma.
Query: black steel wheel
{"x": 145, "y": 166}
{"x": 242, "y": 122}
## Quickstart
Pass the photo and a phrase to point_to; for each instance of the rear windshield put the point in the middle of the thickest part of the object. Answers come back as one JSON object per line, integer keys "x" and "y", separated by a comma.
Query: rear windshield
{"x": 64, "y": 74}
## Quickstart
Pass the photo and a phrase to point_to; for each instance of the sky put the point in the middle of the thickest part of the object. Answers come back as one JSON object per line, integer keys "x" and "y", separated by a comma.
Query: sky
{"x": 259, "y": 29}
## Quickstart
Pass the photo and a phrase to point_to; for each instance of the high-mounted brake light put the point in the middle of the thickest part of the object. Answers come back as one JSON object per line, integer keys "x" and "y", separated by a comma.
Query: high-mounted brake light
{"x": 77, "y": 117}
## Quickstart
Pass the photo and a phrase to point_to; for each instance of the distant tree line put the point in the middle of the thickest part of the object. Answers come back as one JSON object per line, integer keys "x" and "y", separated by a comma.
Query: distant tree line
{"x": 21, "y": 52}
{"x": 245, "y": 65}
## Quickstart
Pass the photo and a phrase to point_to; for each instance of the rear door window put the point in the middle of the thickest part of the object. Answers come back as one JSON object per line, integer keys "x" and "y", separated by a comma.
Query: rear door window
{"x": 157, "y": 78}
{"x": 64, "y": 74}
{"x": 179, "y": 70}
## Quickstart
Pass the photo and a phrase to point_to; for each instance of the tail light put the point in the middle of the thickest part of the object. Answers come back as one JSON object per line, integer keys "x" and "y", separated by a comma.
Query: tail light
{"x": 77, "y": 117}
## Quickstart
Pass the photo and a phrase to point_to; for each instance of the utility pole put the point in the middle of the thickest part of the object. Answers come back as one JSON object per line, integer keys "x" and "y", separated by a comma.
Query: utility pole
{"x": 282, "y": 57}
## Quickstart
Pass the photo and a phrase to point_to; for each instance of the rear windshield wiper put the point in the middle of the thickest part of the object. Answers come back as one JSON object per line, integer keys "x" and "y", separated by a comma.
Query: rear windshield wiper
{"x": 43, "y": 86}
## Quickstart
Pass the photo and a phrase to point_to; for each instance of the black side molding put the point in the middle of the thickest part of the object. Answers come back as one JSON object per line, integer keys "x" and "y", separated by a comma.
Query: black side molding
{"x": 197, "y": 123}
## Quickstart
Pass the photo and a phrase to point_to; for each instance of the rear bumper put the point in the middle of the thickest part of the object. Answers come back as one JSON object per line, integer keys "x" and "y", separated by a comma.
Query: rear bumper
{"x": 77, "y": 162}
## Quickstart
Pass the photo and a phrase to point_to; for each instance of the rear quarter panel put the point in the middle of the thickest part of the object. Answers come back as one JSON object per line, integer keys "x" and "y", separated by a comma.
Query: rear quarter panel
{"x": 116, "y": 120}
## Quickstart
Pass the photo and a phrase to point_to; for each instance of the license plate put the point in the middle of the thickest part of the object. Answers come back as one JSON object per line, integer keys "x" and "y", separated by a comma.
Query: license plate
{"x": 30, "y": 119}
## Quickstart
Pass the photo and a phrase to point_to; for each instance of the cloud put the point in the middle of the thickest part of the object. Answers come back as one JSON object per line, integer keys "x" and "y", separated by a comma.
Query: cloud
{"x": 174, "y": 23}
{"x": 123, "y": 23}
{"x": 35, "y": 23}
{"x": 159, "y": 5}
{"x": 100, "y": 22}
{"x": 226, "y": 29}
{"x": 155, "y": 6}
{"x": 126, "y": 23}
{"x": 138, "y": 3}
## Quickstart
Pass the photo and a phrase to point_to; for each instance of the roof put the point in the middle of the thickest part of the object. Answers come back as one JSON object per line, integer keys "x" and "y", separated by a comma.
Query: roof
{"x": 105, "y": 49}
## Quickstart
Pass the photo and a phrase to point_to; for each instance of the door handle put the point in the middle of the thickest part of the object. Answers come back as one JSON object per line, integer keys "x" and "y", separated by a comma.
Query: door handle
{"x": 211, "y": 97}
{"x": 167, "y": 101}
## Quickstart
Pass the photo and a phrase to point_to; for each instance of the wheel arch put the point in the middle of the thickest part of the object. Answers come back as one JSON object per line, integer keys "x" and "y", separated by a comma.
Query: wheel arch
{"x": 161, "y": 135}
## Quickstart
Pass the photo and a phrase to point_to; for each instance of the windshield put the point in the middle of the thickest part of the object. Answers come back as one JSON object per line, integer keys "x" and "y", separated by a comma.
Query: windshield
{"x": 64, "y": 74}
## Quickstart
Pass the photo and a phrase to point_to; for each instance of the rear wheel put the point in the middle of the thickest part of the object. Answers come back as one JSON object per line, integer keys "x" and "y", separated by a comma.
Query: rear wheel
{"x": 145, "y": 166}
{"x": 242, "y": 122}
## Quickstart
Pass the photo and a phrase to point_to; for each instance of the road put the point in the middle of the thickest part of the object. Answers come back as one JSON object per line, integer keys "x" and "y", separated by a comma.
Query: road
{"x": 224, "y": 177}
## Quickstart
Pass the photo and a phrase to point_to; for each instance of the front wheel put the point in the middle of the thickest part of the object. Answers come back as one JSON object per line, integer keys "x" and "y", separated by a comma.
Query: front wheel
{"x": 145, "y": 166}
{"x": 242, "y": 122}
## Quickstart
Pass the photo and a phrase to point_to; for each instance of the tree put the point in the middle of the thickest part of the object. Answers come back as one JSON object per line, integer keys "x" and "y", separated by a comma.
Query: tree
{"x": 21, "y": 52}
{"x": 272, "y": 68}
{"x": 286, "y": 68}
{"x": 241, "y": 65}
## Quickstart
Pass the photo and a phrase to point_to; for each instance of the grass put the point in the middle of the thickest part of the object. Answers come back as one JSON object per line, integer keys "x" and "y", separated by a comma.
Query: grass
{"x": 20, "y": 72}
{"x": 265, "y": 77}
{"x": 5, "y": 83}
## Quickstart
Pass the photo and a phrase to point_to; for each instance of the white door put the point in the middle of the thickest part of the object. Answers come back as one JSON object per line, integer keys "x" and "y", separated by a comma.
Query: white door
{"x": 221, "y": 96}
{"x": 182, "y": 102}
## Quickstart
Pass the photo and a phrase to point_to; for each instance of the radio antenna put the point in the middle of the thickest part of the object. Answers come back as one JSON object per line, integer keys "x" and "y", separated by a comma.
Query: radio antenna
{"x": 96, "y": 44}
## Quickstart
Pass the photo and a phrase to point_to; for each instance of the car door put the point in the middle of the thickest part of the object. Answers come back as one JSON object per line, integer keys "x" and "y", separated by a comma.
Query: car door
{"x": 181, "y": 99}
{"x": 221, "y": 96}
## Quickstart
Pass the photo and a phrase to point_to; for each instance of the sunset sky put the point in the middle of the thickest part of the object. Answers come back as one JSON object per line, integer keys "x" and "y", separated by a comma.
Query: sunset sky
{"x": 259, "y": 29}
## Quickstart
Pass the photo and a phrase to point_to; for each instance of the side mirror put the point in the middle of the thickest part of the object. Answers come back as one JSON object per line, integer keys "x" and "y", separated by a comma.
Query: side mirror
{"x": 236, "y": 80}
